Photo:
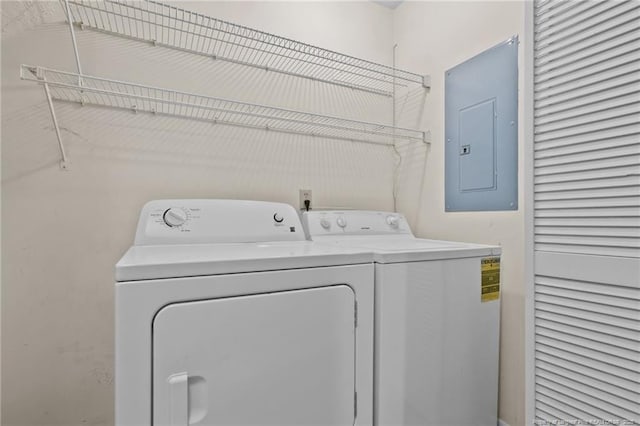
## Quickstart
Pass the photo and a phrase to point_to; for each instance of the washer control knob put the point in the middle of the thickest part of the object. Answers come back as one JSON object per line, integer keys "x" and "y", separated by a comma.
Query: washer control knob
{"x": 278, "y": 217}
{"x": 393, "y": 221}
{"x": 325, "y": 223}
{"x": 342, "y": 222}
{"x": 175, "y": 216}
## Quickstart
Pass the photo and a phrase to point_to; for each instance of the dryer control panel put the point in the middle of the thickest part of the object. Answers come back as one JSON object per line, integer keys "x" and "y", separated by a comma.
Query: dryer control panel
{"x": 217, "y": 221}
{"x": 334, "y": 223}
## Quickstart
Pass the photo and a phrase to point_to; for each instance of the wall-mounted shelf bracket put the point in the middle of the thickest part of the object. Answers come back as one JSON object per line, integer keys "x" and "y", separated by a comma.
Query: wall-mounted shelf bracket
{"x": 39, "y": 75}
{"x": 426, "y": 81}
{"x": 427, "y": 137}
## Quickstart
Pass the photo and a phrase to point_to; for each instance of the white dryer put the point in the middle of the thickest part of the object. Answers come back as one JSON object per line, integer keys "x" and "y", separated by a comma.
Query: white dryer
{"x": 437, "y": 319}
{"x": 226, "y": 315}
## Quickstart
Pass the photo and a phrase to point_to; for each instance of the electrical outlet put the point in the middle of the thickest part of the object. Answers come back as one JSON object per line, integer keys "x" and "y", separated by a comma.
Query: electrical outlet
{"x": 305, "y": 194}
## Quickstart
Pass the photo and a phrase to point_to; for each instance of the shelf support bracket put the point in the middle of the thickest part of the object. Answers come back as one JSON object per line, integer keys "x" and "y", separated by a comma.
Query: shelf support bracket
{"x": 426, "y": 81}
{"x": 64, "y": 163}
{"x": 426, "y": 137}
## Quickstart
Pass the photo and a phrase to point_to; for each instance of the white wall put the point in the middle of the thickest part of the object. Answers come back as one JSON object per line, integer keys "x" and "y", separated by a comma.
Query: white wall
{"x": 64, "y": 231}
{"x": 433, "y": 37}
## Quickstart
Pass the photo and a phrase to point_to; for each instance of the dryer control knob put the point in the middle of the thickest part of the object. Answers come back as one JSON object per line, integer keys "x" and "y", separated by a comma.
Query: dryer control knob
{"x": 325, "y": 223}
{"x": 393, "y": 221}
{"x": 278, "y": 217}
{"x": 175, "y": 216}
{"x": 342, "y": 222}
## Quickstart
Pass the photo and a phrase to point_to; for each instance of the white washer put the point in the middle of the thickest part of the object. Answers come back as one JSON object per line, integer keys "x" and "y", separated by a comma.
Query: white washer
{"x": 437, "y": 336}
{"x": 226, "y": 315}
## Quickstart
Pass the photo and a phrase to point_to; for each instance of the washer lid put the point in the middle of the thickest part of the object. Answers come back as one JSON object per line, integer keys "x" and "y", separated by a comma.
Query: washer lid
{"x": 174, "y": 261}
{"x": 394, "y": 249}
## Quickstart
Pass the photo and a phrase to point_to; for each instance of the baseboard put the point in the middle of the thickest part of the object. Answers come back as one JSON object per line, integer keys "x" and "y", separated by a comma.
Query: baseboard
{"x": 502, "y": 423}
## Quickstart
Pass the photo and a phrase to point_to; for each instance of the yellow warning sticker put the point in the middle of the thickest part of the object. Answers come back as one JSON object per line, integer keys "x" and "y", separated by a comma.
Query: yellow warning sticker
{"x": 490, "y": 273}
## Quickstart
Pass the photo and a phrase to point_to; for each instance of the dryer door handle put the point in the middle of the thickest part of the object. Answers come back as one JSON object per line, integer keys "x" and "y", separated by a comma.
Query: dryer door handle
{"x": 179, "y": 399}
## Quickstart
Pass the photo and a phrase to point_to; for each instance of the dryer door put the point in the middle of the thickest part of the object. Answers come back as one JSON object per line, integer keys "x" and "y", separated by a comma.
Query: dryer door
{"x": 285, "y": 358}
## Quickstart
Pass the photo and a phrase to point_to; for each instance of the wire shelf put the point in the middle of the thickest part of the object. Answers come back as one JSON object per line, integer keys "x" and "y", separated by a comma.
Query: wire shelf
{"x": 72, "y": 87}
{"x": 169, "y": 26}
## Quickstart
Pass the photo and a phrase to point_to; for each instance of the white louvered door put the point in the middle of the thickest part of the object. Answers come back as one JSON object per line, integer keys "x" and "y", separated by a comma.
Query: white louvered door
{"x": 587, "y": 212}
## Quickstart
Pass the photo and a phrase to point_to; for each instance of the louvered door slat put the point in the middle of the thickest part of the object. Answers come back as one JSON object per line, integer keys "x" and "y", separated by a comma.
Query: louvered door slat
{"x": 581, "y": 75}
{"x": 626, "y": 141}
{"x": 551, "y": 411}
{"x": 547, "y": 9}
{"x": 621, "y": 232}
{"x": 586, "y": 211}
{"x": 581, "y": 194}
{"x": 623, "y": 323}
{"x": 571, "y": 176}
{"x": 605, "y": 222}
{"x": 631, "y": 131}
{"x": 608, "y": 334}
{"x": 630, "y": 201}
{"x": 547, "y": 19}
{"x": 577, "y": 109}
{"x": 626, "y": 383}
{"x": 594, "y": 163}
{"x": 608, "y": 116}
{"x": 589, "y": 154}
{"x": 590, "y": 212}
{"x": 587, "y": 250}
{"x": 598, "y": 54}
{"x": 564, "y": 19}
{"x": 556, "y": 339}
{"x": 628, "y": 180}
{"x": 587, "y": 31}
{"x": 621, "y": 86}
{"x": 586, "y": 362}
{"x": 620, "y": 292}
{"x": 623, "y": 388}
{"x": 598, "y": 337}
{"x": 594, "y": 398}
{"x": 560, "y": 301}
{"x": 575, "y": 406}
{"x": 604, "y": 390}
{"x": 601, "y": 122}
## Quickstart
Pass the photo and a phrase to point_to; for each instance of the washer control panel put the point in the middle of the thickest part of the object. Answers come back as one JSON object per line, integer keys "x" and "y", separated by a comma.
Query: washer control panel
{"x": 353, "y": 222}
{"x": 216, "y": 221}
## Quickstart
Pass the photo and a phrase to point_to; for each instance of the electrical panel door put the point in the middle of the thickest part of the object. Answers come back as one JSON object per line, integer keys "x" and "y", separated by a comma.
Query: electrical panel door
{"x": 481, "y": 131}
